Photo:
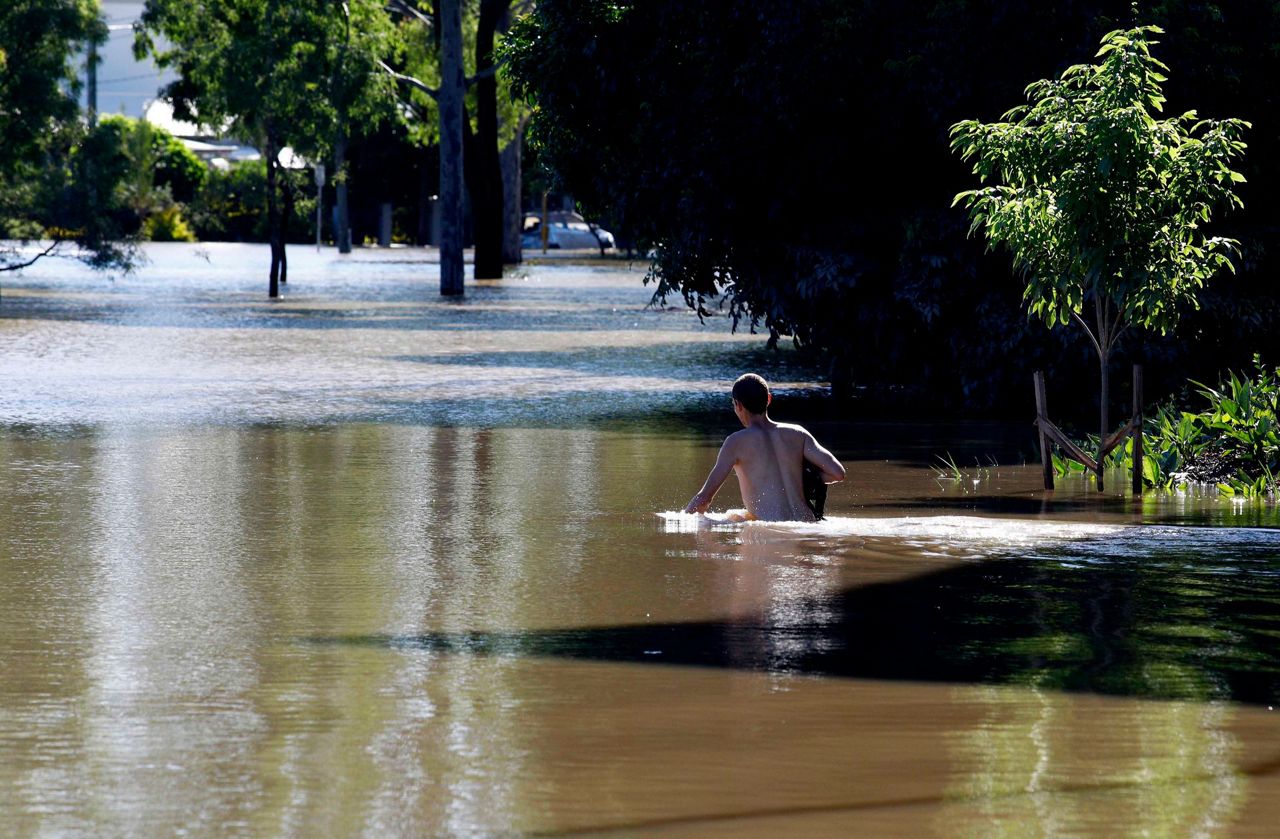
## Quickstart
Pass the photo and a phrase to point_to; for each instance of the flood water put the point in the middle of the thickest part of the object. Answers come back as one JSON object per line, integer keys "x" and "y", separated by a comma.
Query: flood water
{"x": 366, "y": 562}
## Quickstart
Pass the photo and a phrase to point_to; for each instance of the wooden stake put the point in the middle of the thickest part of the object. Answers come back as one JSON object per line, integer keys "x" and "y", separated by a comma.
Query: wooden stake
{"x": 1075, "y": 452}
{"x": 1137, "y": 429}
{"x": 1041, "y": 418}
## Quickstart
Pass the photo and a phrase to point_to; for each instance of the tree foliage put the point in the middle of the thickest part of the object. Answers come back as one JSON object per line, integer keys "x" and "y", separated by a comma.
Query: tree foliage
{"x": 161, "y": 177}
{"x": 781, "y": 162}
{"x": 277, "y": 73}
{"x": 1101, "y": 204}
{"x": 55, "y": 181}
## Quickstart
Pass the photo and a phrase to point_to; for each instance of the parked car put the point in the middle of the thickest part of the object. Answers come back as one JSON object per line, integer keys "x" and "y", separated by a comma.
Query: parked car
{"x": 565, "y": 230}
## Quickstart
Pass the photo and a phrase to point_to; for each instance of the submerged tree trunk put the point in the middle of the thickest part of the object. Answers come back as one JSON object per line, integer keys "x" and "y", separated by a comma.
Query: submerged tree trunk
{"x": 341, "y": 206}
{"x": 512, "y": 215}
{"x": 286, "y": 213}
{"x": 452, "y": 85}
{"x": 486, "y": 180}
{"x": 273, "y": 217}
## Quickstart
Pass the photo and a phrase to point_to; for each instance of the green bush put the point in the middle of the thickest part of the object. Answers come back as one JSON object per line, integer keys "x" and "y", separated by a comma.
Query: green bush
{"x": 157, "y": 175}
{"x": 231, "y": 205}
{"x": 172, "y": 164}
{"x": 167, "y": 225}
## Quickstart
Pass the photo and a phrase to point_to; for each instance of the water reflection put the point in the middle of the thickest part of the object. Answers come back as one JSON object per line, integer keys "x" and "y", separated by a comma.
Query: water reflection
{"x": 422, "y": 630}
{"x": 1023, "y": 768}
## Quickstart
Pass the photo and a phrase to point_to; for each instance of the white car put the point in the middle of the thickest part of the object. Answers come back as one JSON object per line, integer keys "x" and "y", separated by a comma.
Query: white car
{"x": 566, "y": 230}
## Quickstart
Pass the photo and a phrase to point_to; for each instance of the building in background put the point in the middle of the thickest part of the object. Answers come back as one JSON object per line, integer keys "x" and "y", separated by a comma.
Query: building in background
{"x": 125, "y": 84}
{"x": 129, "y": 86}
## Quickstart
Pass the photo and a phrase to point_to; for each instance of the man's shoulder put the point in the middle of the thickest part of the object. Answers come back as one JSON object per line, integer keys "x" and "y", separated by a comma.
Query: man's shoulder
{"x": 795, "y": 429}
{"x": 745, "y": 439}
{"x": 754, "y": 438}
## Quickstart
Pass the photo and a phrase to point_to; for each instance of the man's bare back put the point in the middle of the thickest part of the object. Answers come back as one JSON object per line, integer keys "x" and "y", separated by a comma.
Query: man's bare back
{"x": 768, "y": 458}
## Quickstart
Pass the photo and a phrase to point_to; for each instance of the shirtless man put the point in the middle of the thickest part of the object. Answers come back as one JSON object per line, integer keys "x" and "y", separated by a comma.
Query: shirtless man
{"x": 768, "y": 457}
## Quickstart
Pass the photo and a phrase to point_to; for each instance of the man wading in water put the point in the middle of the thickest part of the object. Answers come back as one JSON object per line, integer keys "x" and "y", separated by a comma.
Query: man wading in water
{"x": 769, "y": 458}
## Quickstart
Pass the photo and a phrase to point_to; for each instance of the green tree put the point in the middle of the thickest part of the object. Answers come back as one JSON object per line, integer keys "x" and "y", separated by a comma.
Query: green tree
{"x": 765, "y": 154}
{"x": 791, "y": 164}
{"x": 274, "y": 72}
{"x": 1101, "y": 204}
{"x": 49, "y": 186}
{"x": 162, "y": 175}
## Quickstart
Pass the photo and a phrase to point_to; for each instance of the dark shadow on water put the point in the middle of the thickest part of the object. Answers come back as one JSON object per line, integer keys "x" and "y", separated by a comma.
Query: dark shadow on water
{"x": 1174, "y": 626}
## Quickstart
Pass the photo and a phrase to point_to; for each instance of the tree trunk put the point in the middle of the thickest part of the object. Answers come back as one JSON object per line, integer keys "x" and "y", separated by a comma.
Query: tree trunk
{"x": 285, "y": 214}
{"x": 452, "y": 86}
{"x": 513, "y": 217}
{"x": 284, "y": 259}
{"x": 486, "y": 190}
{"x": 341, "y": 206}
{"x": 273, "y": 217}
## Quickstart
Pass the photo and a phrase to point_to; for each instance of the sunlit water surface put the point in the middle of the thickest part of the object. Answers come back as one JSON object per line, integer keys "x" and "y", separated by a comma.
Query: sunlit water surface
{"x": 365, "y": 562}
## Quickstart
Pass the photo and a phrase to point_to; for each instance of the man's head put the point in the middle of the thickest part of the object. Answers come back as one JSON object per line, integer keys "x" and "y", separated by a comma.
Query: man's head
{"x": 752, "y": 393}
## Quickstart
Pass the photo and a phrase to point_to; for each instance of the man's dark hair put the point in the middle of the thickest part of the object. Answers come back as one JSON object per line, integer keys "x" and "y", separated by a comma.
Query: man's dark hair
{"x": 752, "y": 392}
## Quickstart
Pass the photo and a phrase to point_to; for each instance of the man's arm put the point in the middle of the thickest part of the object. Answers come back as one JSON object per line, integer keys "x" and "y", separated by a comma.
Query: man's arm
{"x": 831, "y": 468}
{"x": 719, "y": 474}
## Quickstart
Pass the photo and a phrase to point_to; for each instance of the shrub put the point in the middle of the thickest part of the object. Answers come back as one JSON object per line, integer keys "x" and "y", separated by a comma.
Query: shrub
{"x": 167, "y": 225}
{"x": 231, "y": 205}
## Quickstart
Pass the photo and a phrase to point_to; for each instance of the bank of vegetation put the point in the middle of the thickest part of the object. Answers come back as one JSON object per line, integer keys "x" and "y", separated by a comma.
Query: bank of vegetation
{"x": 1222, "y": 438}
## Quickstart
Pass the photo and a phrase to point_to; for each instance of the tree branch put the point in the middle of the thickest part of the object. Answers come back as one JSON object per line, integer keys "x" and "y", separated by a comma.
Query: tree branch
{"x": 486, "y": 73}
{"x": 1089, "y": 332}
{"x": 1116, "y": 331}
{"x": 405, "y": 8}
{"x": 411, "y": 81}
{"x": 33, "y": 260}
{"x": 1101, "y": 338}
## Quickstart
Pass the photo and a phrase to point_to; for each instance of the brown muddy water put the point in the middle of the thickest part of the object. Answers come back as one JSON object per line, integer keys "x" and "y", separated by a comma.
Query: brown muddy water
{"x": 366, "y": 562}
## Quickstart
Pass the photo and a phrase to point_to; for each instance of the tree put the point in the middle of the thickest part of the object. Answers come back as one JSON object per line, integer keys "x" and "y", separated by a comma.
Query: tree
{"x": 494, "y": 148}
{"x": 1100, "y": 203}
{"x": 486, "y": 180}
{"x": 49, "y": 186}
{"x": 278, "y": 73}
{"x": 499, "y": 117}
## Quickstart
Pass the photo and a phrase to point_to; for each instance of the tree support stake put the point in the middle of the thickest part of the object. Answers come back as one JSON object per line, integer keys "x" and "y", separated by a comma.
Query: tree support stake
{"x": 1050, "y": 433}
